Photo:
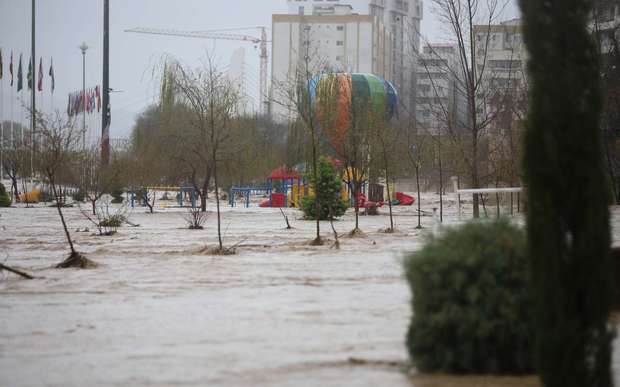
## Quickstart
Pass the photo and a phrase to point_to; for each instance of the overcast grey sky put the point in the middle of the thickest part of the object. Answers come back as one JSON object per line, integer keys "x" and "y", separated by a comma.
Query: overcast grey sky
{"x": 63, "y": 24}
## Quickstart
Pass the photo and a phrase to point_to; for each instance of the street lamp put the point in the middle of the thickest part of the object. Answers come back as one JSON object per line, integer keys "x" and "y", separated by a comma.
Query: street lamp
{"x": 83, "y": 47}
{"x": 414, "y": 154}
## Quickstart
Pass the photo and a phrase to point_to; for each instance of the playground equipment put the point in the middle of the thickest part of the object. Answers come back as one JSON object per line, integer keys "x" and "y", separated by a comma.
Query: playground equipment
{"x": 246, "y": 193}
{"x": 403, "y": 200}
{"x": 33, "y": 196}
{"x": 354, "y": 95}
{"x": 185, "y": 193}
{"x": 290, "y": 180}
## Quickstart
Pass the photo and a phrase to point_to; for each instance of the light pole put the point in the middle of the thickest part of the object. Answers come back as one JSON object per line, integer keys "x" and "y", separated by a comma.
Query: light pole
{"x": 83, "y": 47}
{"x": 414, "y": 150}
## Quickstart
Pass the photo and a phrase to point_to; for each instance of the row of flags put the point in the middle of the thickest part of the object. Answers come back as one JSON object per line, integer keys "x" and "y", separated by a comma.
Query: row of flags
{"x": 88, "y": 100}
{"x": 30, "y": 75}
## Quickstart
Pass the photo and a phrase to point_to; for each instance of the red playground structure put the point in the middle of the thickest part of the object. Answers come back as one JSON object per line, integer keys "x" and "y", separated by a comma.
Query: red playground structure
{"x": 290, "y": 180}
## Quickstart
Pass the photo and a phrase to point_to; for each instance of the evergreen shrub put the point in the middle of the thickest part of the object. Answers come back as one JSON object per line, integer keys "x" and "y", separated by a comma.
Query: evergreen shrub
{"x": 5, "y": 198}
{"x": 328, "y": 192}
{"x": 471, "y": 304}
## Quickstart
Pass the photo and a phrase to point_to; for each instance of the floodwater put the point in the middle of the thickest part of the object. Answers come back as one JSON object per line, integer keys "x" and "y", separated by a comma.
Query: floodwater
{"x": 157, "y": 312}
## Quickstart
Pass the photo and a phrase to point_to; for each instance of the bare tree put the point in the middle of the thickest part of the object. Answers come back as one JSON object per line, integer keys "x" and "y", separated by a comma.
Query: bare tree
{"x": 211, "y": 100}
{"x": 58, "y": 144}
{"x": 295, "y": 96}
{"x": 462, "y": 19}
{"x": 16, "y": 160}
{"x": 98, "y": 177}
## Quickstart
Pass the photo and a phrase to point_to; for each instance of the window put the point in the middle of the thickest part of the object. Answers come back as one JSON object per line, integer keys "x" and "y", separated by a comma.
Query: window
{"x": 339, "y": 43}
{"x": 340, "y": 28}
{"x": 338, "y": 58}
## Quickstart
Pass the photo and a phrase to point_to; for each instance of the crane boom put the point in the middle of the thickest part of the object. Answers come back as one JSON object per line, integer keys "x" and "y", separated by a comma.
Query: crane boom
{"x": 195, "y": 34}
{"x": 264, "y": 58}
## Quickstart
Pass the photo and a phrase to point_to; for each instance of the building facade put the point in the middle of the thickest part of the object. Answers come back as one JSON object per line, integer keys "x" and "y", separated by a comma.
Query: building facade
{"x": 341, "y": 42}
{"x": 502, "y": 98}
{"x": 441, "y": 104}
{"x": 401, "y": 19}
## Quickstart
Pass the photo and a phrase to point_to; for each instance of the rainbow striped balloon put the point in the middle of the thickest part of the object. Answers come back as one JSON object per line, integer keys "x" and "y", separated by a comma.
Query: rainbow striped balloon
{"x": 340, "y": 99}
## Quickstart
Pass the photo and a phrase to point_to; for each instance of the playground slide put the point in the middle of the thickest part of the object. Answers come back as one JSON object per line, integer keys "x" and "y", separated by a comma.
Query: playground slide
{"x": 404, "y": 199}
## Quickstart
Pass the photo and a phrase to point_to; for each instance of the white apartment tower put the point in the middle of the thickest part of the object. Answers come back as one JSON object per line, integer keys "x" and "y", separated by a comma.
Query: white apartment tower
{"x": 333, "y": 38}
{"x": 401, "y": 19}
{"x": 441, "y": 105}
{"x": 504, "y": 74}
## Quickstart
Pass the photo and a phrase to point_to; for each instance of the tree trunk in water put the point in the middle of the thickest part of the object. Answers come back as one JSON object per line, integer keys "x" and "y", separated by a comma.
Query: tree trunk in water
{"x": 389, "y": 198}
{"x": 417, "y": 183}
{"x": 217, "y": 205}
{"x": 93, "y": 203}
{"x": 356, "y": 193}
{"x": 62, "y": 218}
{"x": 14, "y": 186}
{"x": 440, "y": 184}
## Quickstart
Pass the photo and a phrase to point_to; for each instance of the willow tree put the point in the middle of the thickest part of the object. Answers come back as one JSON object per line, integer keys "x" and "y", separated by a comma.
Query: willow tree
{"x": 211, "y": 101}
{"x": 568, "y": 219}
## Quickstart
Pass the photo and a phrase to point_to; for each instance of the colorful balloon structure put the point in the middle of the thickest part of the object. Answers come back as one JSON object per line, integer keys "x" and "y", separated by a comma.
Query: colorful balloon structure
{"x": 340, "y": 99}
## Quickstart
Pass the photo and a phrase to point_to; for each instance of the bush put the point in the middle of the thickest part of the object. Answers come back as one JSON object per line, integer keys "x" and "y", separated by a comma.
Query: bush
{"x": 117, "y": 196}
{"x": 112, "y": 221}
{"x": 328, "y": 192}
{"x": 471, "y": 305}
{"x": 78, "y": 196}
{"x": 5, "y": 198}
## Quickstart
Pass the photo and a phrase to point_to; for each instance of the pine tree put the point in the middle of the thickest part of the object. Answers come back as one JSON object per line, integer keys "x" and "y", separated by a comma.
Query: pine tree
{"x": 5, "y": 199}
{"x": 327, "y": 190}
{"x": 568, "y": 219}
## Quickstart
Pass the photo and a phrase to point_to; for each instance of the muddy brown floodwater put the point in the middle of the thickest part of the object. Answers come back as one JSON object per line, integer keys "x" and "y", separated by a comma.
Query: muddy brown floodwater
{"x": 158, "y": 313}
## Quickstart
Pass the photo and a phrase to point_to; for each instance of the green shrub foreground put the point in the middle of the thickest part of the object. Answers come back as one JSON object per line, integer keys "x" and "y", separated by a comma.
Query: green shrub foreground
{"x": 471, "y": 305}
{"x": 328, "y": 192}
{"x": 5, "y": 198}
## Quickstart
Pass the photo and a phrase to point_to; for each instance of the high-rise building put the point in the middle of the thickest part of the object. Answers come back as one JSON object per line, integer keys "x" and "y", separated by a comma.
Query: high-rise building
{"x": 501, "y": 57}
{"x": 441, "y": 105}
{"x": 335, "y": 41}
{"x": 401, "y": 19}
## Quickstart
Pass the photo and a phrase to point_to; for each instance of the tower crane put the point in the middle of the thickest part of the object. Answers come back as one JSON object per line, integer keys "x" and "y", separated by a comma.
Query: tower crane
{"x": 218, "y": 34}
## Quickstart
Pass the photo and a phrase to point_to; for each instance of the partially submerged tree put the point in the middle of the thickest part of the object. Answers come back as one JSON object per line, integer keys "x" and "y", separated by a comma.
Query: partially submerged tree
{"x": 567, "y": 197}
{"x": 98, "y": 177}
{"x": 295, "y": 96}
{"x": 211, "y": 101}
{"x": 58, "y": 144}
{"x": 462, "y": 19}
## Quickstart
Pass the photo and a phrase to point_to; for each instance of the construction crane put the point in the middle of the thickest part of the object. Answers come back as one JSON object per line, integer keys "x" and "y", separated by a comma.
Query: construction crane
{"x": 217, "y": 34}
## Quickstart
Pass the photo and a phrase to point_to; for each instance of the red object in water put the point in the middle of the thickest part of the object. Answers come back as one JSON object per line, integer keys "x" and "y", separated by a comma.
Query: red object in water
{"x": 405, "y": 200}
{"x": 278, "y": 200}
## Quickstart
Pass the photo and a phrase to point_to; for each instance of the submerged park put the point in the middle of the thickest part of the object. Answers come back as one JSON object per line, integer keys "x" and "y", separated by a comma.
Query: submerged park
{"x": 334, "y": 231}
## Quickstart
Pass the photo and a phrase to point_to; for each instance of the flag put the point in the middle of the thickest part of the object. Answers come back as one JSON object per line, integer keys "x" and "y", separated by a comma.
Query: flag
{"x": 29, "y": 75}
{"x": 20, "y": 75}
{"x": 11, "y": 68}
{"x": 1, "y": 64}
{"x": 40, "y": 81}
{"x": 51, "y": 73}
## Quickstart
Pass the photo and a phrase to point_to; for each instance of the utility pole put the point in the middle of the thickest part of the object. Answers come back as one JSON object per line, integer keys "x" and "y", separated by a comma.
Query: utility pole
{"x": 83, "y": 47}
{"x": 32, "y": 102}
{"x": 106, "y": 114}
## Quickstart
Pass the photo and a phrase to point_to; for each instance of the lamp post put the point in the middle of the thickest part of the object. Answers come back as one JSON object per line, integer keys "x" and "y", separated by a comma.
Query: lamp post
{"x": 414, "y": 154}
{"x": 83, "y": 47}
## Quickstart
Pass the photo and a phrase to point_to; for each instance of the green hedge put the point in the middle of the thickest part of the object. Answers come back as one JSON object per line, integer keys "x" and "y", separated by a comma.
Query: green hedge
{"x": 328, "y": 192}
{"x": 471, "y": 305}
{"x": 5, "y": 198}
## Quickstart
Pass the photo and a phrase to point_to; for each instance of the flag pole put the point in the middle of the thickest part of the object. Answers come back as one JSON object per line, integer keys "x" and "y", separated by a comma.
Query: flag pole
{"x": 105, "y": 89}
{"x": 33, "y": 112}
{"x": 1, "y": 124}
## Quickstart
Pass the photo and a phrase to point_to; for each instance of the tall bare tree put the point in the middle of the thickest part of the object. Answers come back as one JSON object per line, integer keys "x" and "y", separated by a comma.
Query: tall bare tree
{"x": 59, "y": 141}
{"x": 211, "y": 101}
